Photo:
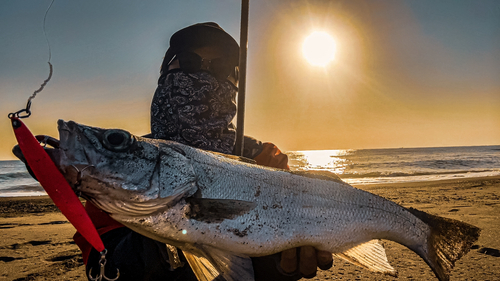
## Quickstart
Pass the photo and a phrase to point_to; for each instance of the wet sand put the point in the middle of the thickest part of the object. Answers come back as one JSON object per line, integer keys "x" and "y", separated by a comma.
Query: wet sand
{"x": 36, "y": 240}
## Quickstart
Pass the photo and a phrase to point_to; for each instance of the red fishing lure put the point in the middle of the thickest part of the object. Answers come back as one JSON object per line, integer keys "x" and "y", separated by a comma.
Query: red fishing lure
{"x": 55, "y": 184}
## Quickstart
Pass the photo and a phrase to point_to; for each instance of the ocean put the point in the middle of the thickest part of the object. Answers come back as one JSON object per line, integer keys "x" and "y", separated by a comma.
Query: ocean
{"x": 355, "y": 166}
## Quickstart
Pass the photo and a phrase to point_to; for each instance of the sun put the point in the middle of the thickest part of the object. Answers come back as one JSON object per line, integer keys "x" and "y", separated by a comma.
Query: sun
{"x": 319, "y": 48}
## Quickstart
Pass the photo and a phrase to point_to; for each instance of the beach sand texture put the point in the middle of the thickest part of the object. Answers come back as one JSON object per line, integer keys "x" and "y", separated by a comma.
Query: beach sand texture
{"x": 36, "y": 240}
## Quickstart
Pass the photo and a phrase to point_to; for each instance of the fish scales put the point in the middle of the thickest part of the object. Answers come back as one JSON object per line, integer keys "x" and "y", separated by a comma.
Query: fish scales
{"x": 337, "y": 207}
{"x": 220, "y": 210}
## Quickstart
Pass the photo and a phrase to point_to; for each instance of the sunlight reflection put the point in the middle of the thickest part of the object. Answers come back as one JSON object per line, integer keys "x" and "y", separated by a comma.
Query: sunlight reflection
{"x": 332, "y": 160}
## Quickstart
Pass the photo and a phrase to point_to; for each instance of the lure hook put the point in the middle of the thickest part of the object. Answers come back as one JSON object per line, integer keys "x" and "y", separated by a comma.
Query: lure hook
{"x": 102, "y": 264}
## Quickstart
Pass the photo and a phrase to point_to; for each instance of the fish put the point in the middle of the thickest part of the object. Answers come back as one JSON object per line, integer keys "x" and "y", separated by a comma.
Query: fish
{"x": 220, "y": 210}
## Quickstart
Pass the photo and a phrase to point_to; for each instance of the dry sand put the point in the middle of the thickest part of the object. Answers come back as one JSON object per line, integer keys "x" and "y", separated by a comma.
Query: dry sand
{"x": 36, "y": 240}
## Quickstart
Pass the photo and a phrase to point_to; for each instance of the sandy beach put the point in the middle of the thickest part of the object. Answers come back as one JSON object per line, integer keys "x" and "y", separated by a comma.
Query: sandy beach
{"x": 36, "y": 240}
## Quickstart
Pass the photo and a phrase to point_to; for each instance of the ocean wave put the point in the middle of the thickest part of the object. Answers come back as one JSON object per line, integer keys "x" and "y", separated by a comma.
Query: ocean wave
{"x": 14, "y": 176}
{"x": 24, "y": 187}
{"x": 456, "y": 163}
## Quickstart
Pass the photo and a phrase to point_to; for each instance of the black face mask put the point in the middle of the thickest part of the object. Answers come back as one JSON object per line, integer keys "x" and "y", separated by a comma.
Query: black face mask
{"x": 195, "y": 109}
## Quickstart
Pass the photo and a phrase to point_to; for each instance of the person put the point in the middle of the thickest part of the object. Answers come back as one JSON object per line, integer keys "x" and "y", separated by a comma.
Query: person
{"x": 194, "y": 104}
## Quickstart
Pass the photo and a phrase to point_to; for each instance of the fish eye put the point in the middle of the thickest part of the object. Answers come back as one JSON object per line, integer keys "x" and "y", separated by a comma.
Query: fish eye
{"x": 117, "y": 140}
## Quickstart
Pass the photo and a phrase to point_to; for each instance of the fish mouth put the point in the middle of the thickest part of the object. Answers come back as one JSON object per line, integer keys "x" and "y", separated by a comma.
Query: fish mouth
{"x": 50, "y": 145}
{"x": 56, "y": 150}
{"x": 48, "y": 140}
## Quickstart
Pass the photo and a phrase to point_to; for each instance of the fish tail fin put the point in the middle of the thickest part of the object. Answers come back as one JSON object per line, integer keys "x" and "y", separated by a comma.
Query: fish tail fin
{"x": 448, "y": 241}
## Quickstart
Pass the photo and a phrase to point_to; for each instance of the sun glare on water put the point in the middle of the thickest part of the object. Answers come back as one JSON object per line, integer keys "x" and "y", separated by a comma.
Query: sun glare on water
{"x": 319, "y": 48}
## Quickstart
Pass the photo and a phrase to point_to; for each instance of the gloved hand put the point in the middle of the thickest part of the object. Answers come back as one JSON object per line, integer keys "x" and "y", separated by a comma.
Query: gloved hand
{"x": 306, "y": 260}
{"x": 271, "y": 156}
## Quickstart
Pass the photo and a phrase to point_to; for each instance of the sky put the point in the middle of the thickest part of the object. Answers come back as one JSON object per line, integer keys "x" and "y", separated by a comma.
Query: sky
{"x": 410, "y": 73}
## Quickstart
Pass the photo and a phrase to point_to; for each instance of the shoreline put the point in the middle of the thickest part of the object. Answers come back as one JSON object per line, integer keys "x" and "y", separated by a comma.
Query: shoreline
{"x": 430, "y": 182}
{"x": 36, "y": 239}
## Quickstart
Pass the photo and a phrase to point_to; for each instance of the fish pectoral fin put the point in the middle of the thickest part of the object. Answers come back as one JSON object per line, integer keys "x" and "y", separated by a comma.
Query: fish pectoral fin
{"x": 173, "y": 257}
{"x": 202, "y": 268}
{"x": 217, "y": 210}
{"x": 132, "y": 208}
{"x": 230, "y": 266}
{"x": 369, "y": 255}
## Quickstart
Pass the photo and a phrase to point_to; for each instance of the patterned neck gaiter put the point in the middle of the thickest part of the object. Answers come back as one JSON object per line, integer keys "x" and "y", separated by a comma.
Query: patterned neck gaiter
{"x": 195, "y": 109}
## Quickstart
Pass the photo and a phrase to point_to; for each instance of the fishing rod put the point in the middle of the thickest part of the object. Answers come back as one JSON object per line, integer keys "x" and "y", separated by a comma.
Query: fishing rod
{"x": 242, "y": 81}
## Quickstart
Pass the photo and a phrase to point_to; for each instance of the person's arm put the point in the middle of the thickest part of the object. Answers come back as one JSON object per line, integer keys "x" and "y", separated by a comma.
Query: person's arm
{"x": 307, "y": 259}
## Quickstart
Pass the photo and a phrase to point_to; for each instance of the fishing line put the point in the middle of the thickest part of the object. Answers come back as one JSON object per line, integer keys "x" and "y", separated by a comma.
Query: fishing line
{"x": 27, "y": 110}
{"x": 51, "y": 69}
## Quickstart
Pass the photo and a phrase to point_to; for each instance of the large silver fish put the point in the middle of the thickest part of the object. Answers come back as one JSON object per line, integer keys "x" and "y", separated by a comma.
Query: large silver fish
{"x": 220, "y": 209}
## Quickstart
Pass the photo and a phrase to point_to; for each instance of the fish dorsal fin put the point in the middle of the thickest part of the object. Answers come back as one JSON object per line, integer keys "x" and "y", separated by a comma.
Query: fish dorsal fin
{"x": 322, "y": 175}
{"x": 201, "y": 267}
{"x": 217, "y": 210}
{"x": 369, "y": 255}
{"x": 236, "y": 158}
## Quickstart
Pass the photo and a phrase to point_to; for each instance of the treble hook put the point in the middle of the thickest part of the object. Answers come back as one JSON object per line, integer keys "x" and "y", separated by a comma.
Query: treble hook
{"x": 101, "y": 275}
{"x": 79, "y": 175}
